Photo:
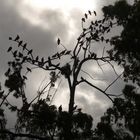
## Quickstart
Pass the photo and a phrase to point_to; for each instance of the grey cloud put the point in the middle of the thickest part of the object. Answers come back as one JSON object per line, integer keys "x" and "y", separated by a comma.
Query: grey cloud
{"x": 56, "y": 22}
{"x": 42, "y": 41}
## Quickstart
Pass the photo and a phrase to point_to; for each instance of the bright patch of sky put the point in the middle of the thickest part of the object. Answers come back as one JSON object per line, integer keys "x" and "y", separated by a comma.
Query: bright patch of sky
{"x": 31, "y": 9}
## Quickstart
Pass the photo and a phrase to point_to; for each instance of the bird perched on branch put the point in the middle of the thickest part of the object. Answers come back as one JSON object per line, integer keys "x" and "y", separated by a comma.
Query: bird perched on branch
{"x": 60, "y": 109}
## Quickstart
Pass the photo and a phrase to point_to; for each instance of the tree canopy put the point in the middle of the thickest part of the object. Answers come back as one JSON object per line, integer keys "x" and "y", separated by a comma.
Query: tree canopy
{"x": 126, "y": 50}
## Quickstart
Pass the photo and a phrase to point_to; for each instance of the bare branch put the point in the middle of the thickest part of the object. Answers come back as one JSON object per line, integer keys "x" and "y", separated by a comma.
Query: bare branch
{"x": 116, "y": 95}
{"x": 91, "y": 75}
{"x": 4, "y": 98}
{"x": 88, "y": 74}
{"x": 103, "y": 51}
{"x": 84, "y": 80}
{"x": 112, "y": 68}
{"x": 55, "y": 91}
{"x": 11, "y": 105}
{"x": 100, "y": 66}
{"x": 113, "y": 82}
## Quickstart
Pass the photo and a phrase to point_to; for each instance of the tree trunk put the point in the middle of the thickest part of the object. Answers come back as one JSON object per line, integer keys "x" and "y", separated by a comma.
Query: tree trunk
{"x": 71, "y": 102}
{"x": 68, "y": 133}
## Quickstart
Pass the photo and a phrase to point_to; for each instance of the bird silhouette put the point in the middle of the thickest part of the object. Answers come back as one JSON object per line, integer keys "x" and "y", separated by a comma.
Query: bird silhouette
{"x": 10, "y": 48}
{"x": 95, "y": 13}
{"x": 58, "y": 41}
{"x": 60, "y": 109}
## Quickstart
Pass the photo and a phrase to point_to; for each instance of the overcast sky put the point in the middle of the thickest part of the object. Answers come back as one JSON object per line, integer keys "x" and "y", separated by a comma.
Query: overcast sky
{"x": 40, "y": 23}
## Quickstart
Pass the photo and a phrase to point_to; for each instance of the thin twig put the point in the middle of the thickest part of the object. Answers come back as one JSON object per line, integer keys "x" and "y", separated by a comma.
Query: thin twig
{"x": 11, "y": 105}
{"x": 63, "y": 46}
{"x": 84, "y": 80}
{"x": 100, "y": 66}
{"x": 103, "y": 51}
{"x": 4, "y": 98}
{"x": 41, "y": 83}
{"x": 113, "y": 68}
{"x": 91, "y": 76}
{"x": 55, "y": 92}
{"x": 116, "y": 95}
{"x": 87, "y": 74}
{"x": 113, "y": 82}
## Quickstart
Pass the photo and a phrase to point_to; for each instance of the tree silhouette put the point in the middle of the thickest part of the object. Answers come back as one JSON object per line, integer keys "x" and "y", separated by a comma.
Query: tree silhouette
{"x": 124, "y": 115}
{"x": 72, "y": 71}
{"x": 126, "y": 50}
{"x": 38, "y": 119}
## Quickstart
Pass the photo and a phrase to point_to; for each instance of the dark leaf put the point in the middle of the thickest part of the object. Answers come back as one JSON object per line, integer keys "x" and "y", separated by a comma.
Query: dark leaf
{"x": 17, "y": 38}
{"x": 13, "y": 108}
{"x": 6, "y": 104}
{"x": 54, "y": 56}
{"x": 24, "y": 77}
{"x": 83, "y": 19}
{"x": 68, "y": 52}
{"x": 29, "y": 59}
{"x": 33, "y": 61}
{"x": 28, "y": 69}
{"x": 111, "y": 24}
{"x": 9, "y": 49}
{"x": 47, "y": 67}
{"x": 96, "y": 23}
{"x": 82, "y": 78}
{"x": 17, "y": 59}
{"x": 84, "y": 29}
{"x": 134, "y": 80}
{"x": 92, "y": 22}
{"x": 9, "y": 63}
{"x": 108, "y": 30}
{"x": 20, "y": 43}
{"x": 103, "y": 20}
{"x": 24, "y": 58}
{"x": 91, "y": 28}
{"x": 107, "y": 40}
{"x": 88, "y": 38}
{"x": 1, "y": 112}
{"x": 1, "y": 93}
{"x": 63, "y": 52}
{"x": 20, "y": 54}
{"x": 37, "y": 58}
{"x": 84, "y": 48}
{"x": 79, "y": 110}
{"x": 93, "y": 54}
{"x": 57, "y": 64}
{"x": 60, "y": 108}
{"x": 58, "y": 55}
{"x": 15, "y": 53}
{"x": 102, "y": 38}
{"x": 24, "y": 46}
{"x": 10, "y": 38}
{"x": 29, "y": 52}
{"x": 7, "y": 72}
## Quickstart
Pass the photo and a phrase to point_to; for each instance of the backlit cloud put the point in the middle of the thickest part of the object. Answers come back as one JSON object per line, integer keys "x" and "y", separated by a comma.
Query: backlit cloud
{"x": 40, "y": 23}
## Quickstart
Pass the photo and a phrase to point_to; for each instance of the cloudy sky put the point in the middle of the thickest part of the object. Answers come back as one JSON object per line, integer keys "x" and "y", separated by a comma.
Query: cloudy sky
{"x": 40, "y": 23}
